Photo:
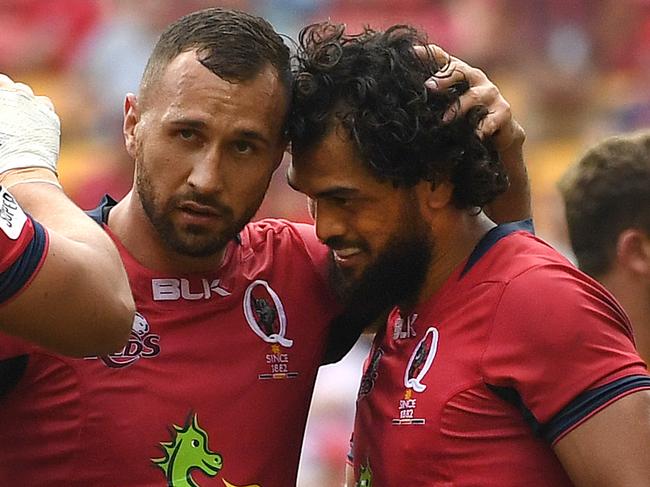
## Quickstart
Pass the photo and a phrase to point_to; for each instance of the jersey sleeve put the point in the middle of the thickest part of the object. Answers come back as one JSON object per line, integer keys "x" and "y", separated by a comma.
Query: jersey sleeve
{"x": 562, "y": 347}
{"x": 23, "y": 247}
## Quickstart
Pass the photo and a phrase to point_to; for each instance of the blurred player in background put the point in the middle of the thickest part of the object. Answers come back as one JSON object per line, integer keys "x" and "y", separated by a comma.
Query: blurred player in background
{"x": 62, "y": 284}
{"x": 607, "y": 201}
{"x": 501, "y": 363}
{"x": 233, "y": 317}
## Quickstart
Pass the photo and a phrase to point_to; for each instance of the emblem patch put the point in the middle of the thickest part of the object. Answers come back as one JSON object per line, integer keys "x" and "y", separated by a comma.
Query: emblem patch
{"x": 416, "y": 369}
{"x": 421, "y": 361}
{"x": 188, "y": 451}
{"x": 265, "y": 315}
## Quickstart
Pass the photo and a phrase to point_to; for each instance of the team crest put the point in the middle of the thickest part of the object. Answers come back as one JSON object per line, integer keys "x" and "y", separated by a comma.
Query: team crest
{"x": 265, "y": 315}
{"x": 421, "y": 360}
{"x": 142, "y": 344}
{"x": 187, "y": 452}
{"x": 416, "y": 369}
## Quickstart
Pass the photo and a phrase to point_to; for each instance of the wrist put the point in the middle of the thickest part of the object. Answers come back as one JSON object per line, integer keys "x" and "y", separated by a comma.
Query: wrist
{"x": 29, "y": 175}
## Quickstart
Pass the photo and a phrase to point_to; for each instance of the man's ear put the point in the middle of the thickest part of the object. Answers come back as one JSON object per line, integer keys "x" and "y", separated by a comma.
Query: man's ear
{"x": 435, "y": 196}
{"x": 131, "y": 119}
{"x": 633, "y": 251}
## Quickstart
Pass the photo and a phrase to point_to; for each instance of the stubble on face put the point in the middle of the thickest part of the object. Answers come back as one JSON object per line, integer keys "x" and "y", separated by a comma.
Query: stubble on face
{"x": 190, "y": 240}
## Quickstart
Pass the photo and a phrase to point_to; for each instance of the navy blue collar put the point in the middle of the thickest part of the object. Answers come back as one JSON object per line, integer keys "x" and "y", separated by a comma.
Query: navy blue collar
{"x": 493, "y": 236}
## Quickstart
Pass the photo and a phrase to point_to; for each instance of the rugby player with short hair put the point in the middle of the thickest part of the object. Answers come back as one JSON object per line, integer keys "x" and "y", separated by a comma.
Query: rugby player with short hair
{"x": 607, "y": 200}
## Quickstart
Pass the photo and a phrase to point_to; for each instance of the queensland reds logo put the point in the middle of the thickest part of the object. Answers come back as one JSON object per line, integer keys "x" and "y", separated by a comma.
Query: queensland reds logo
{"x": 421, "y": 361}
{"x": 265, "y": 314}
{"x": 141, "y": 343}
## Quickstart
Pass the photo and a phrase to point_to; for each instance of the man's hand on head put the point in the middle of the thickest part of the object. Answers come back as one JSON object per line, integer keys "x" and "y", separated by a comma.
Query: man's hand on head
{"x": 499, "y": 124}
{"x": 506, "y": 135}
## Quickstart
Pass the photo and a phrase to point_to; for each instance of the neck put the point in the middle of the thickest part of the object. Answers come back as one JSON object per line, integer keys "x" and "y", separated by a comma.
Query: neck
{"x": 633, "y": 293}
{"x": 129, "y": 222}
{"x": 456, "y": 236}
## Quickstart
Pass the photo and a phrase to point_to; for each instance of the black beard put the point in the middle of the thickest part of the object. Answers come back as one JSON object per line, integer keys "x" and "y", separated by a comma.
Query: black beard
{"x": 396, "y": 277}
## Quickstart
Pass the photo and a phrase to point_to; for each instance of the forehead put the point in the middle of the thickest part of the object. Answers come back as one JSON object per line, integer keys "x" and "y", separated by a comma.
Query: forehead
{"x": 188, "y": 88}
{"x": 332, "y": 164}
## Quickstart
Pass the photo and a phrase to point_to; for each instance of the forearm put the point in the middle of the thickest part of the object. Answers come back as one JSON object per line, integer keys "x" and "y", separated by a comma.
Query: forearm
{"x": 74, "y": 296}
{"x": 82, "y": 278}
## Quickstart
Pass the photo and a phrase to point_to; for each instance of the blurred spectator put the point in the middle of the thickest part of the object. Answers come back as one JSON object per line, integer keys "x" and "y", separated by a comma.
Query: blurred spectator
{"x": 43, "y": 35}
{"x": 607, "y": 199}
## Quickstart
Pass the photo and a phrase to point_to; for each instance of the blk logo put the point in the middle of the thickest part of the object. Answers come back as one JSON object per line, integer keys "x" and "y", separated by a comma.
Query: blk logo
{"x": 175, "y": 289}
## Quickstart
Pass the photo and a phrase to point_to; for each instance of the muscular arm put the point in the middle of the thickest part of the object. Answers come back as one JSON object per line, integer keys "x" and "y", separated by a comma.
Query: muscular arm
{"x": 79, "y": 301}
{"x": 612, "y": 448}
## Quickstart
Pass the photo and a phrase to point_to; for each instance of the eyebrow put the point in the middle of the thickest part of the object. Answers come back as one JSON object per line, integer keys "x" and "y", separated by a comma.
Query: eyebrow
{"x": 200, "y": 124}
{"x": 188, "y": 122}
{"x": 336, "y": 191}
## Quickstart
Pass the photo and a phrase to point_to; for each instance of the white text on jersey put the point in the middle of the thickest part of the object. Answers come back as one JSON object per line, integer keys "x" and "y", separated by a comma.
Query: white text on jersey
{"x": 175, "y": 289}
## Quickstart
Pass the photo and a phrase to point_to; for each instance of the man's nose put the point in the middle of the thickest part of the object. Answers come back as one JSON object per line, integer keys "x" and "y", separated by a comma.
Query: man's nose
{"x": 207, "y": 174}
{"x": 329, "y": 222}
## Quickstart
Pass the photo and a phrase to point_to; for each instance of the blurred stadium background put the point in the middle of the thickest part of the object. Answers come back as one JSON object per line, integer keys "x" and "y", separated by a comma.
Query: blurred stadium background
{"x": 573, "y": 70}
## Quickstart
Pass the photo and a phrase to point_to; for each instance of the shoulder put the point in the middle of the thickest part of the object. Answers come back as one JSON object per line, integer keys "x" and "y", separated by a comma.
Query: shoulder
{"x": 283, "y": 239}
{"x": 515, "y": 255}
{"x": 549, "y": 288}
{"x": 551, "y": 303}
{"x": 276, "y": 228}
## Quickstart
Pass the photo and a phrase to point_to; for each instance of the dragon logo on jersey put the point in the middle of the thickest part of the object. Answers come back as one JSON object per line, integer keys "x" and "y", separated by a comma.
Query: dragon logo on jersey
{"x": 189, "y": 451}
{"x": 264, "y": 313}
{"x": 365, "y": 477}
{"x": 370, "y": 375}
{"x": 421, "y": 360}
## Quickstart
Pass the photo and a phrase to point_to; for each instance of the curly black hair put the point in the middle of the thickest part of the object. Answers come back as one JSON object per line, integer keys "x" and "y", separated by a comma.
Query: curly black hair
{"x": 372, "y": 84}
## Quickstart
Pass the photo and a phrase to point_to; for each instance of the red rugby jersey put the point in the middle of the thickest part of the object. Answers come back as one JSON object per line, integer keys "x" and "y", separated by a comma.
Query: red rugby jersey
{"x": 23, "y": 247}
{"x": 472, "y": 389}
{"x": 215, "y": 382}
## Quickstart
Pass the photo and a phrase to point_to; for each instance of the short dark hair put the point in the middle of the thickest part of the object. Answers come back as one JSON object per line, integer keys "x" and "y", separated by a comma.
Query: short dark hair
{"x": 373, "y": 85}
{"x": 606, "y": 192}
{"x": 234, "y": 45}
